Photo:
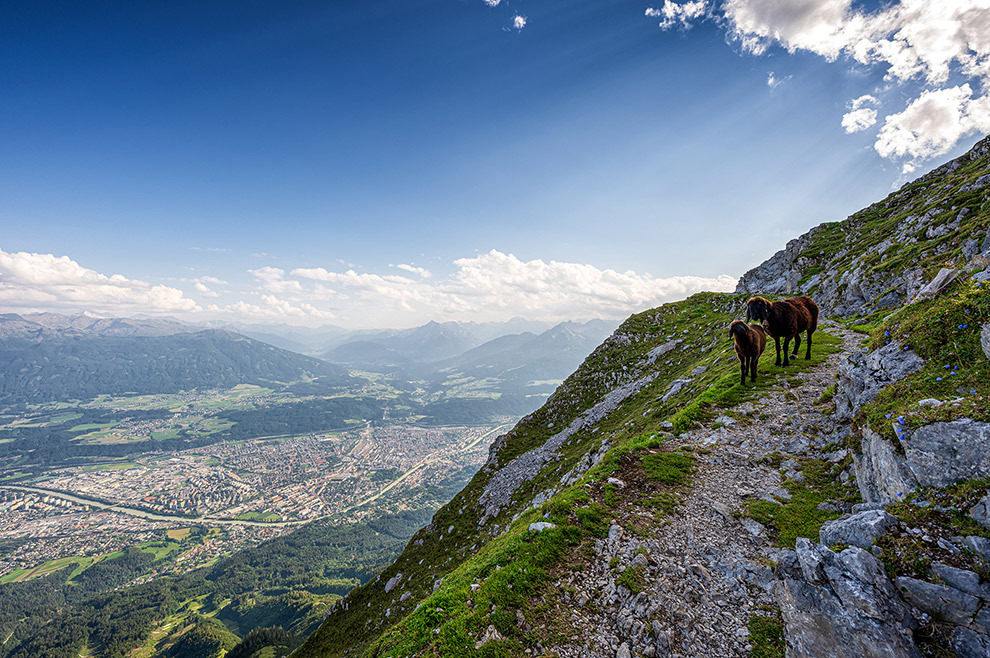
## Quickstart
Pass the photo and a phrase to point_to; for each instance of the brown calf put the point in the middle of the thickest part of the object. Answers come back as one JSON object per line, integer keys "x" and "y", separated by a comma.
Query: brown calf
{"x": 749, "y": 342}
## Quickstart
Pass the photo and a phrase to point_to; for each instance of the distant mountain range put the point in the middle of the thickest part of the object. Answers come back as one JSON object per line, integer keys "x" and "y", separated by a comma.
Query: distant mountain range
{"x": 50, "y": 357}
{"x": 44, "y": 326}
{"x": 442, "y": 355}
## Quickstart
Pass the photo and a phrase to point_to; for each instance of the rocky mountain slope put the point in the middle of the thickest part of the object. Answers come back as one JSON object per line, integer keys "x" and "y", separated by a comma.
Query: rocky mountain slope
{"x": 656, "y": 507}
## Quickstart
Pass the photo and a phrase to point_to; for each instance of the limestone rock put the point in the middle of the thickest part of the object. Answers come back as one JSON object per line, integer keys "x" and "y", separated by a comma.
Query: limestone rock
{"x": 863, "y": 376}
{"x": 935, "y": 455}
{"x": 840, "y": 605}
{"x": 861, "y": 529}
{"x": 940, "y": 601}
{"x": 985, "y": 339}
{"x": 940, "y": 454}
{"x": 491, "y": 635}
{"x": 962, "y": 580}
{"x": 540, "y": 526}
{"x": 393, "y": 582}
{"x": 882, "y": 475}
{"x": 944, "y": 277}
{"x": 968, "y": 644}
{"x": 980, "y": 512}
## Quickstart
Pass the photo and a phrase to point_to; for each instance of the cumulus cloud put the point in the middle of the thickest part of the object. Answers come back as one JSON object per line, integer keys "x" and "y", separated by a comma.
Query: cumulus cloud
{"x": 675, "y": 14}
{"x": 33, "y": 282}
{"x": 487, "y": 286}
{"x": 421, "y": 271}
{"x": 272, "y": 279}
{"x": 860, "y": 116}
{"x": 496, "y": 285}
{"x": 204, "y": 290}
{"x": 492, "y": 3}
{"x": 518, "y": 22}
{"x": 271, "y": 308}
{"x": 937, "y": 43}
{"x": 933, "y": 123}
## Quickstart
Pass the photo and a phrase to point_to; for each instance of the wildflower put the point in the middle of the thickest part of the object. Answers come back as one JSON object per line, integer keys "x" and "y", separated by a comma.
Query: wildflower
{"x": 888, "y": 415}
{"x": 938, "y": 379}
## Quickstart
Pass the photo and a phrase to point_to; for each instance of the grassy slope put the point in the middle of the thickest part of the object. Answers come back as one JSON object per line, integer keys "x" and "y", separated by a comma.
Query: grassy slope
{"x": 503, "y": 552}
{"x": 835, "y": 248}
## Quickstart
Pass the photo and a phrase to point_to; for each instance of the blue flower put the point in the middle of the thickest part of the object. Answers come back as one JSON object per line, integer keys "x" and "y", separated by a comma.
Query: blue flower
{"x": 973, "y": 392}
{"x": 886, "y": 333}
{"x": 938, "y": 379}
{"x": 900, "y": 419}
{"x": 888, "y": 415}
{"x": 946, "y": 367}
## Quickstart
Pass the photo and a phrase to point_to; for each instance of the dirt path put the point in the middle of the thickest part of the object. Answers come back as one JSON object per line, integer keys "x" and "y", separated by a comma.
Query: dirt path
{"x": 705, "y": 571}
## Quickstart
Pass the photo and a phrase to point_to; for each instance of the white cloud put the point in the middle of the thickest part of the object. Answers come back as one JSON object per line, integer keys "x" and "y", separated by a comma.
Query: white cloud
{"x": 496, "y": 286}
{"x": 773, "y": 81}
{"x": 271, "y": 279}
{"x": 674, "y": 14}
{"x": 204, "y": 290}
{"x": 31, "y": 281}
{"x": 488, "y": 286}
{"x": 272, "y": 308}
{"x": 492, "y": 3}
{"x": 421, "y": 271}
{"x": 935, "y": 42}
{"x": 518, "y": 22}
{"x": 860, "y": 117}
{"x": 933, "y": 123}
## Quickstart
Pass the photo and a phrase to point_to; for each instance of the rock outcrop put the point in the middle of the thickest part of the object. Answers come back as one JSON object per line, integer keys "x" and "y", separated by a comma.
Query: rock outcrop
{"x": 865, "y": 374}
{"x": 841, "y": 605}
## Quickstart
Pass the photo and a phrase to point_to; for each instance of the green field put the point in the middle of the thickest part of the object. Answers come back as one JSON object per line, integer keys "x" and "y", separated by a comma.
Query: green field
{"x": 122, "y": 466}
{"x": 48, "y": 567}
{"x": 88, "y": 427}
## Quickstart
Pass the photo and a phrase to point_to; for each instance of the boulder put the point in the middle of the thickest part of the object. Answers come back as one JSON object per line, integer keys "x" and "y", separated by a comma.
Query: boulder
{"x": 882, "y": 475}
{"x": 840, "y": 605}
{"x": 980, "y": 512}
{"x": 968, "y": 644}
{"x": 393, "y": 582}
{"x": 943, "y": 453}
{"x": 935, "y": 455}
{"x": 861, "y": 529}
{"x": 962, "y": 580}
{"x": 941, "y": 281}
{"x": 942, "y": 602}
{"x": 865, "y": 374}
{"x": 540, "y": 526}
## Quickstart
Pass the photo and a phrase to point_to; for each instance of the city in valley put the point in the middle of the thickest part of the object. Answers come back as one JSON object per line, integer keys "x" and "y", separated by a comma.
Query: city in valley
{"x": 191, "y": 507}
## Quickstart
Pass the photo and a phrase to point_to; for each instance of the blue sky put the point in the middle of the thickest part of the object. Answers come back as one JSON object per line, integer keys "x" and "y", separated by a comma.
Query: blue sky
{"x": 386, "y": 163}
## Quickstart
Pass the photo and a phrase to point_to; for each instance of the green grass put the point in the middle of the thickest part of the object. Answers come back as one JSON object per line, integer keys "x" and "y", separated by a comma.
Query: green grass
{"x": 766, "y": 634}
{"x": 668, "y": 467}
{"x": 946, "y": 333}
{"x": 800, "y": 517}
{"x": 633, "y": 579}
{"x": 944, "y": 514}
